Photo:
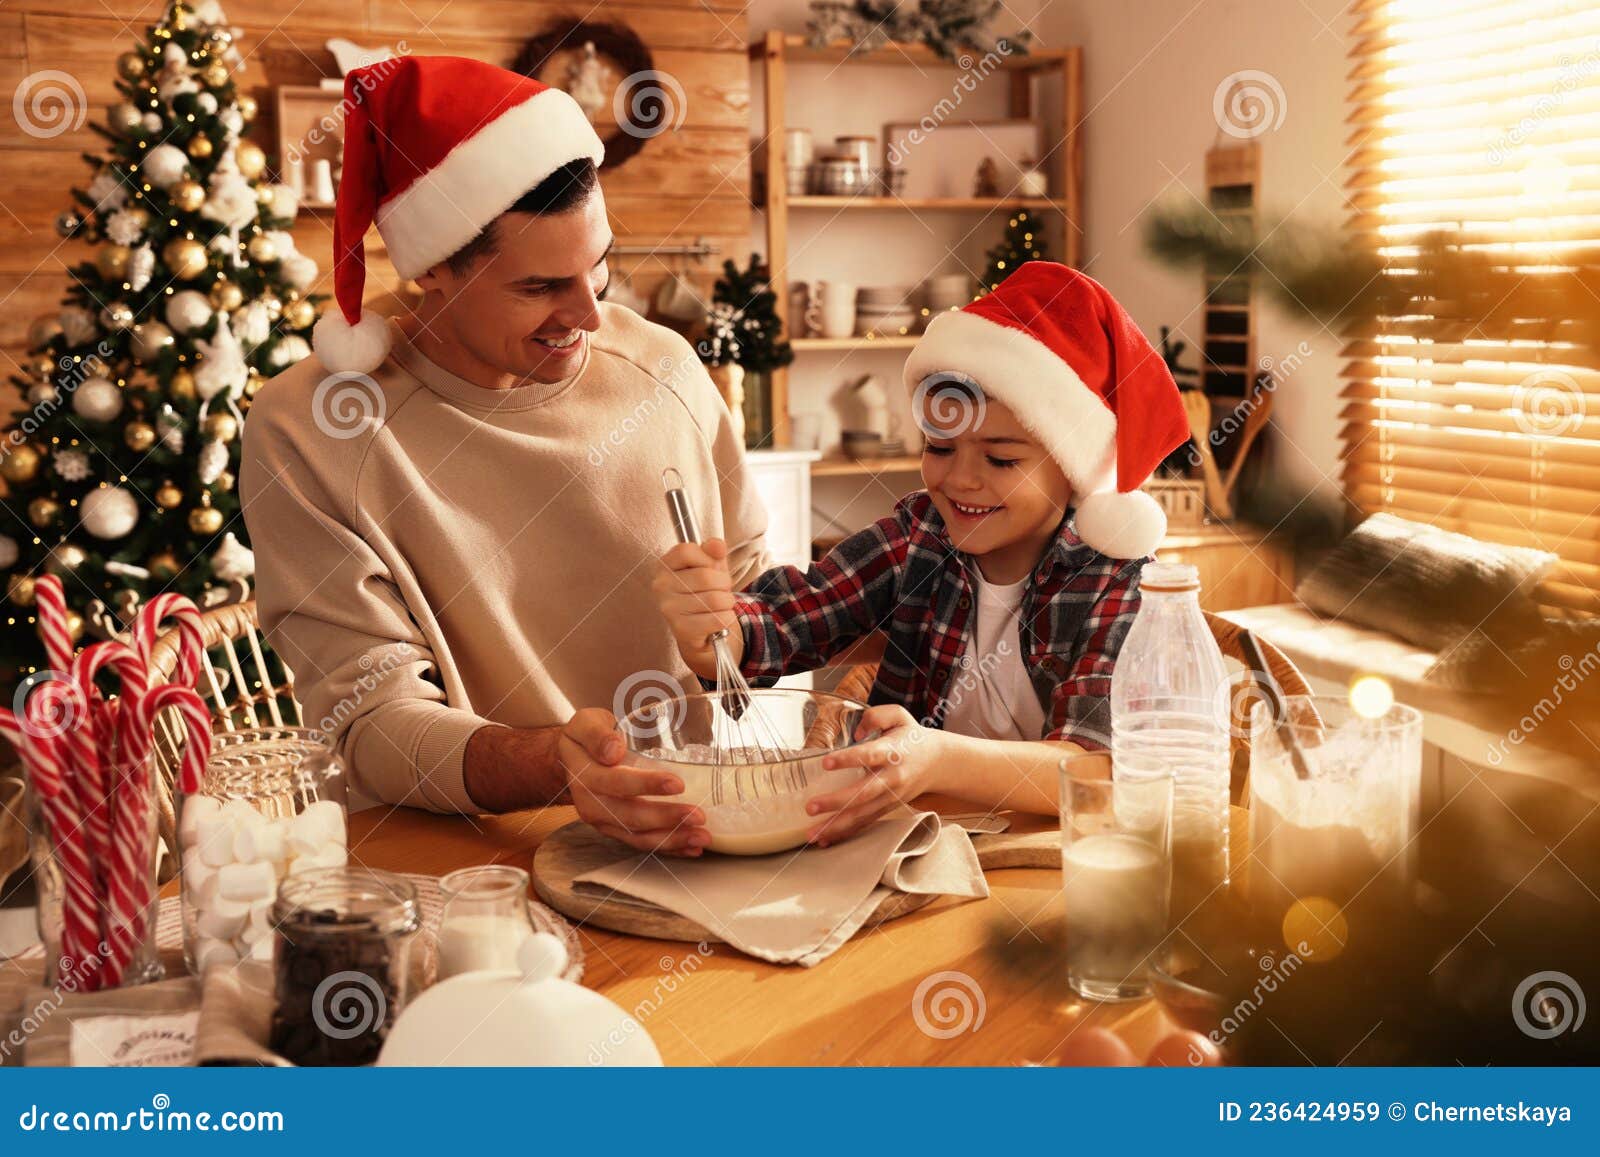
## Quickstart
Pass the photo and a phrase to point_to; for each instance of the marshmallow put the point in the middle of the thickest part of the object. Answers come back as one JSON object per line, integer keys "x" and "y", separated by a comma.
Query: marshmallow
{"x": 214, "y": 838}
{"x": 209, "y": 952}
{"x": 246, "y": 882}
{"x": 199, "y": 878}
{"x": 330, "y": 856}
{"x": 222, "y": 918}
{"x": 262, "y": 841}
{"x": 321, "y": 823}
{"x": 194, "y": 808}
{"x": 262, "y": 950}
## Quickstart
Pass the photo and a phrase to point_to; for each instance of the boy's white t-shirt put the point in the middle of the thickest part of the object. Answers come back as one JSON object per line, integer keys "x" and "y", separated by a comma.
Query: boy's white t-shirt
{"x": 991, "y": 694}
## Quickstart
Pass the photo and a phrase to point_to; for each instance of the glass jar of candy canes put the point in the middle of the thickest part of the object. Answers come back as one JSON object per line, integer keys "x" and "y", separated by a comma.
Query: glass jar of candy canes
{"x": 271, "y": 807}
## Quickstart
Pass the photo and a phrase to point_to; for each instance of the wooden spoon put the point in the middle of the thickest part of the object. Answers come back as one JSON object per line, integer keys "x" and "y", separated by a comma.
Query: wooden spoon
{"x": 1254, "y": 422}
{"x": 1198, "y": 407}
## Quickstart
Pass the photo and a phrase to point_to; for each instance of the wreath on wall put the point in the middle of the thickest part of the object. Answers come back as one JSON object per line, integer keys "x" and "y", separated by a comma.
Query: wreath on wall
{"x": 647, "y": 102}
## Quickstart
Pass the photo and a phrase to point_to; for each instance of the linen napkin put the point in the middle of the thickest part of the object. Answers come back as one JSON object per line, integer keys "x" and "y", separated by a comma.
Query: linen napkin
{"x": 799, "y": 907}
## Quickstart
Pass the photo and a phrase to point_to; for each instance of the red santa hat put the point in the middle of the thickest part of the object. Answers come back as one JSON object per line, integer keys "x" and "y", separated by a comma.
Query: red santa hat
{"x": 435, "y": 148}
{"x": 1055, "y": 347}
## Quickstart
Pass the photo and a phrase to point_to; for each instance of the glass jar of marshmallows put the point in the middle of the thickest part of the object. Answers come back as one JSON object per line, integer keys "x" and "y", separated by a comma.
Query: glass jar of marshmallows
{"x": 271, "y": 807}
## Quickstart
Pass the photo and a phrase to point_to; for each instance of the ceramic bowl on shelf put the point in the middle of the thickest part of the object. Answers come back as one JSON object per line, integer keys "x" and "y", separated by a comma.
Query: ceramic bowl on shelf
{"x": 752, "y": 775}
{"x": 861, "y": 444}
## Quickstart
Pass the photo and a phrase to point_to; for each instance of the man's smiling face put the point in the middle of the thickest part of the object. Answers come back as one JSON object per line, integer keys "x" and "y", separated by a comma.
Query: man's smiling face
{"x": 528, "y": 307}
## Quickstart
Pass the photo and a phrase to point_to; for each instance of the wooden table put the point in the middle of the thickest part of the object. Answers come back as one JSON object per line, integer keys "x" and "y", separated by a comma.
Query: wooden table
{"x": 855, "y": 1008}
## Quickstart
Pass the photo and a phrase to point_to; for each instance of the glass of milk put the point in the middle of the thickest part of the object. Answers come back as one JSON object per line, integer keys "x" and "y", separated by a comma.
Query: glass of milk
{"x": 484, "y": 921}
{"x": 1116, "y": 864}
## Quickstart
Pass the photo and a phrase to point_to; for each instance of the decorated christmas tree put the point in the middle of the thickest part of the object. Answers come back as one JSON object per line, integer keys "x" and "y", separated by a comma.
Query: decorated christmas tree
{"x": 120, "y": 466}
{"x": 1021, "y": 243}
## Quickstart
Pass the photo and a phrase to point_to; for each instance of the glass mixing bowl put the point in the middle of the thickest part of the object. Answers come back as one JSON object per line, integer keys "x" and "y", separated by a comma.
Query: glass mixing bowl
{"x": 752, "y": 775}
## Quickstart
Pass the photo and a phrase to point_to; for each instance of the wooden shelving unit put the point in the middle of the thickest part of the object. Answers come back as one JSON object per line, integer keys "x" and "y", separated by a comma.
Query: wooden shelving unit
{"x": 1065, "y": 206}
{"x": 839, "y": 466}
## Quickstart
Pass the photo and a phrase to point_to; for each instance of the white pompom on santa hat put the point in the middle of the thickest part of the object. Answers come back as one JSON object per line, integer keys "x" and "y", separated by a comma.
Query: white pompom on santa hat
{"x": 435, "y": 148}
{"x": 1054, "y": 346}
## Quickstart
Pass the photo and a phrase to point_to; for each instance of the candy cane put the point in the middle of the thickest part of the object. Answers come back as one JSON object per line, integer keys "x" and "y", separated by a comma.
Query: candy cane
{"x": 191, "y": 648}
{"x": 42, "y": 756}
{"x": 197, "y": 721}
{"x": 52, "y": 604}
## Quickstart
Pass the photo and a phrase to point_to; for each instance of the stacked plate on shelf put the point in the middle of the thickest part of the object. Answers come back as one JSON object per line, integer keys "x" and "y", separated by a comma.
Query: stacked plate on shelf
{"x": 947, "y": 291}
{"x": 885, "y": 311}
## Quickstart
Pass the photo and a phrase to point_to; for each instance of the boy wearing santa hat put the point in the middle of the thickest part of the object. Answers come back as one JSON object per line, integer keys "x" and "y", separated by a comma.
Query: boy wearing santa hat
{"x": 1007, "y": 586}
{"x": 445, "y": 509}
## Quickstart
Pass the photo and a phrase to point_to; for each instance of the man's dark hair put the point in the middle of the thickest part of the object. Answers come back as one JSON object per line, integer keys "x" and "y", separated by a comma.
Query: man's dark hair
{"x": 566, "y": 188}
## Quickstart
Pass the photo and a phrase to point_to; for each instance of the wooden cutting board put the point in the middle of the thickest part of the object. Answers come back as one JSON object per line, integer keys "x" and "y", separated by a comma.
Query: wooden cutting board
{"x": 571, "y": 851}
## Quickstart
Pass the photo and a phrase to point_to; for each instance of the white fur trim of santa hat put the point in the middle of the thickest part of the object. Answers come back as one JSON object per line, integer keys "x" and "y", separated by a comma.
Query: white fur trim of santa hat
{"x": 482, "y": 177}
{"x": 1121, "y": 525}
{"x": 355, "y": 349}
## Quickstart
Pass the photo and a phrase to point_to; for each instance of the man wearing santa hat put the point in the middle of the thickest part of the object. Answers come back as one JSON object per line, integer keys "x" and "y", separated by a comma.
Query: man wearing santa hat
{"x": 456, "y": 515}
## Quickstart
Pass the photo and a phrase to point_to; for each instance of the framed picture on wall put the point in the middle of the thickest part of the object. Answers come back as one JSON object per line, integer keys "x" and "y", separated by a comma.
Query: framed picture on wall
{"x": 942, "y": 160}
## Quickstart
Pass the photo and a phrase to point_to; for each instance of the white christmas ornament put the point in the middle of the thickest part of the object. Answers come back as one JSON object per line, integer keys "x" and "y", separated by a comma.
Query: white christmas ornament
{"x": 232, "y": 120}
{"x": 222, "y": 369}
{"x": 8, "y": 552}
{"x": 42, "y": 392}
{"x": 233, "y": 560}
{"x": 207, "y": 103}
{"x": 212, "y": 462}
{"x": 97, "y": 399}
{"x": 188, "y": 310}
{"x": 141, "y": 264}
{"x": 252, "y": 325}
{"x": 170, "y": 426}
{"x": 290, "y": 350}
{"x": 230, "y": 201}
{"x": 77, "y": 324}
{"x": 107, "y": 191}
{"x": 164, "y": 166}
{"x": 152, "y": 123}
{"x": 299, "y": 271}
{"x": 109, "y": 512}
{"x": 285, "y": 202}
{"x": 72, "y": 465}
{"x": 282, "y": 241}
{"x": 124, "y": 227}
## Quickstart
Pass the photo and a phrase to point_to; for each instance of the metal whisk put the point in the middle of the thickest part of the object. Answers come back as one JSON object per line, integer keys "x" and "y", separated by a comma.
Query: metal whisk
{"x": 751, "y": 736}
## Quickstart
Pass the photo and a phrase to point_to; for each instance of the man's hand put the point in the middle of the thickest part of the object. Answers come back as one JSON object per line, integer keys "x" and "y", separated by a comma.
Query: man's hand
{"x": 695, "y": 593}
{"x": 607, "y": 794}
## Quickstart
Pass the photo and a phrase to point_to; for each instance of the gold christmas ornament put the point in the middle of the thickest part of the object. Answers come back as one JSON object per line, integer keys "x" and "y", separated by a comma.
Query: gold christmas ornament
{"x": 130, "y": 65}
{"x": 149, "y": 340}
{"x": 43, "y": 511}
{"x": 139, "y": 436}
{"x": 43, "y": 331}
{"x": 215, "y": 74}
{"x": 19, "y": 589}
{"x": 262, "y": 248}
{"x": 250, "y": 159}
{"x": 182, "y": 384}
{"x": 200, "y": 148}
{"x": 226, "y": 480}
{"x": 247, "y": 107}
{"x": 74, "y": 626}
{"x": 188, "y": 195}
{"x": 65, "y": 559}
{"x": 125, "y": 120}
{"x": 299, "y": 314}
{"x": 44, "y": 368}
{"x": 117, "y": 316}
{"x": 169, "y": 496}
{"x": 164, "y": 565}
{"x": 222, "y": 427}
{"x": 274, "y": 306}
{"x": 186, "y": 257}
{"x": 205, "y": 519}
{"x": 112, "y": 261}
{"x": 226, "y": 296}
{"x": 264, "y": 194}
{"x": 21, "y": 465}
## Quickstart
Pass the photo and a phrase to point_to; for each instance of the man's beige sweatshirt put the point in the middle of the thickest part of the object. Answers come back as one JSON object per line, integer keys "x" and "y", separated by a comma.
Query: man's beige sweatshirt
{"x": 433, "y": 556}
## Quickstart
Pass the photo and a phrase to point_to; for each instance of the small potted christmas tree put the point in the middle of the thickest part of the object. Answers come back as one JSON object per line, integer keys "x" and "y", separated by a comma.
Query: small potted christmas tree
{"x": 743, "y": 343}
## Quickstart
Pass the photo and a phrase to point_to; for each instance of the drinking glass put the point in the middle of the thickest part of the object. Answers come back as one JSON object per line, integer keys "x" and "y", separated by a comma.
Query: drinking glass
{"x": 1116, "y": 861}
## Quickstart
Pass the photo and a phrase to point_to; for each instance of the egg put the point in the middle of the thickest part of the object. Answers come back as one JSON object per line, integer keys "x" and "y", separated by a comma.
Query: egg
{"x": 1184, "y": 1050}
{"x": 1094, "y": 1048}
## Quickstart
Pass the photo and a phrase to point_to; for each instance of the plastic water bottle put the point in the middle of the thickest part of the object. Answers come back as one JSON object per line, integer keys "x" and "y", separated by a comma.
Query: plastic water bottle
{"x": 1169, "y": 703}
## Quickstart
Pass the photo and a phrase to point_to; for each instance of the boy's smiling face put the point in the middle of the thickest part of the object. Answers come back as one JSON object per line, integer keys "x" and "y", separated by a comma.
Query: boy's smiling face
{"x": 1000, "y": 494}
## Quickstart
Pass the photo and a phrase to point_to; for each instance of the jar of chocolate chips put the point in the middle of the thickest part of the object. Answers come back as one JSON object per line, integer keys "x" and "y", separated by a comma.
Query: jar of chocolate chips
{"x": 344, "y": 939}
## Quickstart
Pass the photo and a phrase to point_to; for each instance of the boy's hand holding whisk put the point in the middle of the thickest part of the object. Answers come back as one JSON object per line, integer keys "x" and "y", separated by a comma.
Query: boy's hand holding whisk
{"x": 695, "y": 593}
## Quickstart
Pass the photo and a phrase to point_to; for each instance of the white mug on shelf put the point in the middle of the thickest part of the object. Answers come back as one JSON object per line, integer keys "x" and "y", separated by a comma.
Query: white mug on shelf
{"x": 805, "y": 430}
{"x": 322, "y": 181}
{"x": 294, "y": 175}
{"x": 838, "y": 309}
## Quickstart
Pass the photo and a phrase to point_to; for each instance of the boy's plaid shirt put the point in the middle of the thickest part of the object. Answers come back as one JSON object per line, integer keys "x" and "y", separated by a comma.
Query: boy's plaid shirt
{"x": 902, "y": 575}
